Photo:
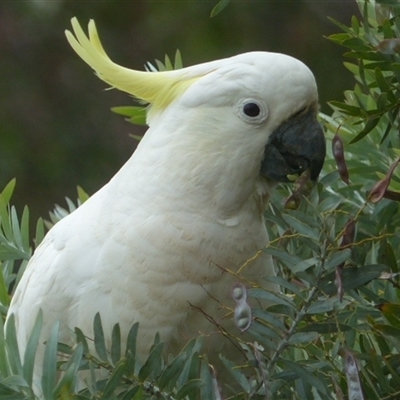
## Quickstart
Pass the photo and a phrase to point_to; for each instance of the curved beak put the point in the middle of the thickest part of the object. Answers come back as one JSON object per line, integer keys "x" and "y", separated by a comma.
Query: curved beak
{"x": 296, "y": 145}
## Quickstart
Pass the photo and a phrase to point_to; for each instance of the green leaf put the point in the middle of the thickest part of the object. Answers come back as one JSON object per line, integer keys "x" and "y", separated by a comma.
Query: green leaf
{"x": 381, "y": 81}
{"x": 82, "y": 195}
{"x": 219, "y": 7}
{"x": 371, "y": 124}
{"x": 192, "y": 350}
{"x": 81, "y": 338}
{"x": 171, "y": 374}
{"x": 270, "y": 318}
{"x": 303, "y": 338}
{"x": 67, "y": 382}
{"x": 338, "y": 258}
{"x": 4, "y": 365}
{"x": 189, "y": 388}
{"x": 290, "y": 260}
{"x": 139, "y": 119}
{"x": 99, "y": 340}
{"x": 178, "y": 64}
{"x": 133, "y": 394}
{"x": 126, "y": 111}
{"x": 136, "y": 114}
{"x": 4, "y": 296}
{"x": 5, "y": 223}
{"x": 355, "y": 25}
{"x": 50, "y": 364}
{"x": 350, "y": 110}
{"x": 323, "y": 306}
{"x": 353, "y": 278}
{"x": 339, "y": 37}
{"x": 15, "y": 228}
{"x": 7, "y": 192}
{"x": 356, "y": 44}
{"x": 12, "y": 346}
{"x": 305, "y": 375}
{"x": 153, "y": 364}
{"x": 39, "y": 234}
{"x": 25, "y": 230}
{"x": 116, "y": 344}
{"x": 292, "y": 287}
{"x": 210, "y": 387}
{"x": 276, "y": 298}
{"x": 234, "y": 370}
{"x": 326, "y": 328}
{"x": 31, "y": 348}
{"x": 168, "y": 63}
{"x": 114, "y": 381}
{"x": 130, "y": 353}
{"x": 302, "y": 228}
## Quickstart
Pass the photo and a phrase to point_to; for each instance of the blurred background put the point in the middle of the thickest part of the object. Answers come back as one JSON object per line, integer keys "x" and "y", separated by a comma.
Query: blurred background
{"x": 56, "y": 127}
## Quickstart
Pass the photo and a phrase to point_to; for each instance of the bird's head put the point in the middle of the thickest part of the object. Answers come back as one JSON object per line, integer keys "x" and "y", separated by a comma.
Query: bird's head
{"x": 258, "y": 108}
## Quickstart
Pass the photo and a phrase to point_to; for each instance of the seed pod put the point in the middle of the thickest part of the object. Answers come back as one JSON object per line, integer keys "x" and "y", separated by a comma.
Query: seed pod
{"x": 301, "y": 187}
{"x": 339, "y": 281}
{"x": 338, "y": 154}
{"x": 348, "y": 234}
{"x": 380, "y": 189}
{"x": 353, "y": 377}
{"x": 389, "y": 46}
{"x": 242, "y": 313}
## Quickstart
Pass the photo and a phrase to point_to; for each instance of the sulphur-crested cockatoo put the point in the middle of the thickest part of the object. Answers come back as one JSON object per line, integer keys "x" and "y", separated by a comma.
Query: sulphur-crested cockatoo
{"x": 155, "y": 245}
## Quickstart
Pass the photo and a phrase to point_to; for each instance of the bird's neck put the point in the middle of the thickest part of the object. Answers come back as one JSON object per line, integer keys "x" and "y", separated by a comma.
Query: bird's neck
{"x": 204, "y": 185}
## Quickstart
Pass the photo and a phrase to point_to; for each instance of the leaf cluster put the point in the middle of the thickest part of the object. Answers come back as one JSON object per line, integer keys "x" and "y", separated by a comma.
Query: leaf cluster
{"x": 373, "y": 53}
{"x": 109, "y": 373}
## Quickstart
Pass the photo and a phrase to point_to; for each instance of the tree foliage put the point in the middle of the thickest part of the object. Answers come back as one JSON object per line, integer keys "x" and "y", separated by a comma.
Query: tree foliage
{"x": 333, "y": 330}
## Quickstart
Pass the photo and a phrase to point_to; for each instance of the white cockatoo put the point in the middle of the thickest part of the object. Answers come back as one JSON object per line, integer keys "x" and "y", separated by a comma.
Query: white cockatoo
{"x": 182, "y": 221}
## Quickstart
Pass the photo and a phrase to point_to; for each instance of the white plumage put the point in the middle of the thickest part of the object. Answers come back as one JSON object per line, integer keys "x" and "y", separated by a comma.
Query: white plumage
{"x": 186, "y": 206}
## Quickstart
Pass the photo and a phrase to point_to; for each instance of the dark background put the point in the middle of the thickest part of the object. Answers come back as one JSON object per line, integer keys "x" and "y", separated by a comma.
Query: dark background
{"x": 56, "y": 127}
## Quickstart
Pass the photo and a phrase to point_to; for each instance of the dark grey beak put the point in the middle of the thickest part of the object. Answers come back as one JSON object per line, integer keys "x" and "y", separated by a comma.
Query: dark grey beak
{"x": 296, "y": 145}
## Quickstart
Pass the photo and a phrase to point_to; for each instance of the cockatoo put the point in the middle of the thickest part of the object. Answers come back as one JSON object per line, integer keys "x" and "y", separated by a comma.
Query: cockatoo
{"x": 182, "y": 221}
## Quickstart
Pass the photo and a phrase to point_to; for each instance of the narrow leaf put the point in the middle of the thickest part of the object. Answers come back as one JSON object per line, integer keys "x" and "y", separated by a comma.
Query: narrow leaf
{"x": 99, "y": 340}
{"x": 303, "y": 338}
{"x": 305, "y": 375}
{"x": 12, "y": 346}
{"x": 189, "y": 388}
{"x": 130, "y": 352}
{"x": 272, "y": 297}
{"x": 68, "y": 378}
{"x": 7, "y": 192}
{"x": 39, "y": 233}
{"x": 153, "y": 364}
{"x": 50, "y": 364}
{"x": 115, "y": 379}
{"x": 31, "y": 348}
{"x": 171, "y": 374}
{"x": 338, "y": 258}
{"x": 178, "y": 64}
{"x": 239, "y": 377}
{"x": 116, "y": 344}
{"x": 219, "y": 7}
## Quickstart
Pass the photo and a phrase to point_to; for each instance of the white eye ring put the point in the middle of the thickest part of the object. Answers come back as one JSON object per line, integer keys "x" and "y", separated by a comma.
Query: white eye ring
{"x": 252, "y": 111}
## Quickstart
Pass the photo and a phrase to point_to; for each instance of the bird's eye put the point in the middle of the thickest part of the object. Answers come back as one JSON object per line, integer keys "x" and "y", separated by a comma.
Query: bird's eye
{"x": 251, "y": 109}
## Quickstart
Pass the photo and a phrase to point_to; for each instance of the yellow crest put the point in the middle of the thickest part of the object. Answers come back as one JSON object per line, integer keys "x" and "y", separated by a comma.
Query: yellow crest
{"x": 157, "y": 88}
